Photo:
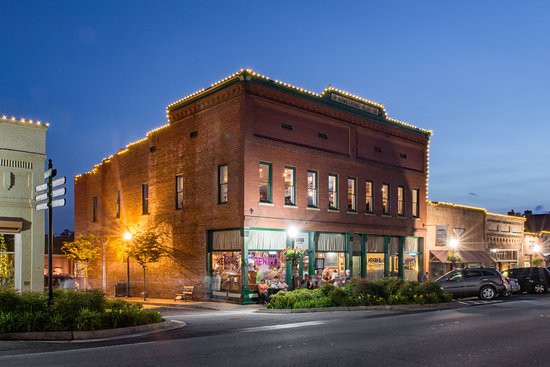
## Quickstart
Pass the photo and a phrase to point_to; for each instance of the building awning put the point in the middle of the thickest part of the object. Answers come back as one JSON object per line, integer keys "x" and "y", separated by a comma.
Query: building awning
{"x": 11, "y": 225}
{"x": 467, "y": 257}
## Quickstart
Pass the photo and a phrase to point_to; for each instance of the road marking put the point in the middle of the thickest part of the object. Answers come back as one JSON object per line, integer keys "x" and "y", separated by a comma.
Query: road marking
{"x": 283, "y": 326}
{"x": 479, "y": 302}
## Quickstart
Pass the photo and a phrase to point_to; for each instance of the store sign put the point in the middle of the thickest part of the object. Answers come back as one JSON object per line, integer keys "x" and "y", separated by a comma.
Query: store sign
{"x": 228, "y": 261}
{"x": 376, "y": 260}
{"x": 353, "y": 103}
{"x": 270, "y": 261}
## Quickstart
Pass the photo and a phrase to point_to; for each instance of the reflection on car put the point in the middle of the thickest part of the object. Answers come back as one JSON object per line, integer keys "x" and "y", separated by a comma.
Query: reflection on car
{"x": 531, "y": 279}
{"x": 485, "y": 283}
{"x": 512, "y": 286}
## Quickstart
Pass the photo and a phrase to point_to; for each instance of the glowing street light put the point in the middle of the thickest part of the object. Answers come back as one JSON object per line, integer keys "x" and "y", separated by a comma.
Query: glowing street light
{"x": 454, "y": 243}
{"x": 127, "y": 236}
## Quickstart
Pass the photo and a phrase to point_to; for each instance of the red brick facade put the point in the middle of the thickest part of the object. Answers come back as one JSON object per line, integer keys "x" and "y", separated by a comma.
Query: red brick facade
{"x": 238, "y": 123}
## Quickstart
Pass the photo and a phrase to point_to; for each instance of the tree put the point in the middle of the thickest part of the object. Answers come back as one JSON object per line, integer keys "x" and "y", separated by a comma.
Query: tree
{"x": 147, "y": 246}
{"x": 83, "y": 251}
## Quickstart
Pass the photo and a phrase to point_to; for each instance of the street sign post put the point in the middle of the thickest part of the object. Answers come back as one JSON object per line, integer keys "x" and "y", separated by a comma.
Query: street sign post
{"x": 49, "y": 203}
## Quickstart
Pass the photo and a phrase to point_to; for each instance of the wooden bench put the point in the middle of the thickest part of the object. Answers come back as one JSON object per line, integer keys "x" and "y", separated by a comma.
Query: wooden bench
{"x": 186, "y": 292}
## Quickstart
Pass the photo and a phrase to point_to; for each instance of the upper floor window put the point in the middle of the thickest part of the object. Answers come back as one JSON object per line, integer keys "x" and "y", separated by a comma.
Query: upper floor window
{"x": 94, "y": 209}
{"x": 290, "y": 185}
{"x": 352, "y": 194}
{"x": 144, "y": 199}
{"x": 333, "y": 191}
{"x": 117, "y": 204}
{"x": 179, "y": 192}
{"x": 312, "y": 192}
{"x": 400, "y": 201}
{"x": 385, "y": 199}
{"x": 265, "y": 182}
{"x": 369, "y": 198}
{"x": 222, "y": 183}
{"x": 415, "y": 193}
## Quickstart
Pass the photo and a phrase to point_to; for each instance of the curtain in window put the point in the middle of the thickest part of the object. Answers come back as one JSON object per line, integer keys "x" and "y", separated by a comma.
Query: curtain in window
{"x": 267, "y": 240}
{"x": 411, "y": 245}
{"x": 226, "y": 240}
{"x": 331, "y": 242}
{"x": 375, "y": 244}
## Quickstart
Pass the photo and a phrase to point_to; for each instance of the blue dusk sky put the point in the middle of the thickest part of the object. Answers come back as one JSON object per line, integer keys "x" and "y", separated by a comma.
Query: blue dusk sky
{"x": 477, "y": 73}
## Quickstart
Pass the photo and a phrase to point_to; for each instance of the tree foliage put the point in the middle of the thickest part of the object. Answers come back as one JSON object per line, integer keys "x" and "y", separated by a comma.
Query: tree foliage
{"x": 83, "y": 251}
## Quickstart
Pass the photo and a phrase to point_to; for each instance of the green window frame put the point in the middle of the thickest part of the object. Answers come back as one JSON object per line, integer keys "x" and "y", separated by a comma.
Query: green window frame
{"x": 223, "y": 179}
{"x": 369, "y": 196}
{"x": 333, "y": 191}
{"x": 415, "y": 195}
{"x": 290, "y": 185}
{"x": 352, "y": 194}
{"x": 266, "y": 182}
{"x": 312, "y": 189}
{"x": 401, "y": 201}
{"x": 385, "y": 199}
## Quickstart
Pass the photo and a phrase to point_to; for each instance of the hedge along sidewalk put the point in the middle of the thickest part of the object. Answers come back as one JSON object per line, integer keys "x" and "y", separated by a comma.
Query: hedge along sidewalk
{"x": 95, "y": 334}
{"x": 405, "y": 307}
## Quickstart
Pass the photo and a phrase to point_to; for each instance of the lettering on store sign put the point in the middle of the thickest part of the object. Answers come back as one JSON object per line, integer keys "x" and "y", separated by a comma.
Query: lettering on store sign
{"x": 272, "y": 261}
{"x": 228, "y": 260}
{"x": 355, "y": 104}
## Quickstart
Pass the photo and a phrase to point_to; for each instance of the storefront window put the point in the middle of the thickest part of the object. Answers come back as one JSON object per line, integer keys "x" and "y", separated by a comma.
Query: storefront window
{"x": 333, "y": 265}
{"x": 226, "y": 268}
{"x": 268, "y": 265}
{"x": 375, "y": 266}
{"x": 410, "y": 259}
{"x": 7, "y": 260}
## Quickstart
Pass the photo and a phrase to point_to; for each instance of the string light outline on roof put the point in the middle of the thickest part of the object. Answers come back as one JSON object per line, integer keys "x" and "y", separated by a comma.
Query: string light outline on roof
{"x": 23, "y": 120}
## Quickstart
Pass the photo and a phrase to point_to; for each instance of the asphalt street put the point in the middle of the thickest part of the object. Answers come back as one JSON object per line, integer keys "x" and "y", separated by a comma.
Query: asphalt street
{"x": 510, "y": 332}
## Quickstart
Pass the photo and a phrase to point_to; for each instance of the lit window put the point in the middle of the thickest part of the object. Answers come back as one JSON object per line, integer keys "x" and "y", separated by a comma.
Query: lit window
{"x": 400, "y": 201}
{"x": 369, "y": 199}
{"x": 385, "y": 199}
{"x": 265, "y": 182}
{"x": 144, "y": 199}
{"x": 222, "y": 183}
{"x": 333, "y": 192}
{"x": 312, "y": 193}
{"x": 352, "y": 194}
{"x": 290, "y": 185}
{"x": 179, "y": 192}
{"x": 415, "y": 203}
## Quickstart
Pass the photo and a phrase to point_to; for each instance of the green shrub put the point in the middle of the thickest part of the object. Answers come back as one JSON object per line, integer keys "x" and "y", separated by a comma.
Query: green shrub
{"x": 9, "y": 299}
{"x": 88, "y": 320}
{"x": 8, "y": 322}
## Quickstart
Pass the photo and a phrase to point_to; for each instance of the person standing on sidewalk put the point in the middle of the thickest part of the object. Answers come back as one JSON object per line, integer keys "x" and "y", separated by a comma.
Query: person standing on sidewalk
{"x": 263, "y": 296}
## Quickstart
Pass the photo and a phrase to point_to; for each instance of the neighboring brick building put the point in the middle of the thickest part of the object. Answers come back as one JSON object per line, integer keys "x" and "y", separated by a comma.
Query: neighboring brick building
{"x": 483, "y": 238}
{"x": 22, "y": 155}
{"x": 245, "y": 160}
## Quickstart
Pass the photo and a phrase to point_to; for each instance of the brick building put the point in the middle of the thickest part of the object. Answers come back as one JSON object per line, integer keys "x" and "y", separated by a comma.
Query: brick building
{"x": 481, "y": 238}
{"x": 22, "y": 155}
{"x": 245, "y": 160}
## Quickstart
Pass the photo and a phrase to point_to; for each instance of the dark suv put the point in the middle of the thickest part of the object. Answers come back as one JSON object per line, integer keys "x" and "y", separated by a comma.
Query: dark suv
{"x": 486, "y": 283}
{"x": 532, "y": 280}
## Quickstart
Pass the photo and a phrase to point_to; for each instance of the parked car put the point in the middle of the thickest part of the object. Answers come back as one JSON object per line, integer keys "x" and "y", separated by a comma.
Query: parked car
{"x": 485, "y": 283}
{"x": 532, "y": 280}
{"x": 512, "y": 286}
{"x": 61, "y": 281}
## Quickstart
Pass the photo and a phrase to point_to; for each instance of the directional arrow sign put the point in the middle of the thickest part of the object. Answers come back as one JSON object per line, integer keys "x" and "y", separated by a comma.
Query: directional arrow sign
{"x": 59, "y": 181}
{"x": 58, "y": 192}
{"x": 41, "y": 197}
{"x": 42, "y": 206}
{"x": 58, "y": 202}
{"x": 42, "y": 187}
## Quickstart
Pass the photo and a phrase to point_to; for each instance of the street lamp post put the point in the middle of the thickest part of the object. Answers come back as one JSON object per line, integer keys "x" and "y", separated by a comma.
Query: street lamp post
{"x": 292, "y": 233}
{"x": 127, "y": 238}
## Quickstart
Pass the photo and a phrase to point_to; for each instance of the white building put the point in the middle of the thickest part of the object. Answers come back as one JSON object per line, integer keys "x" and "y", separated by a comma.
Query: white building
{"x": 22, "y": 156}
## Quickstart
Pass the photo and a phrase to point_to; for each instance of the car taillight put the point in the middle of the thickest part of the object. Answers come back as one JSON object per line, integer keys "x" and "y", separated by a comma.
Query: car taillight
{"x": 502, "y": 280}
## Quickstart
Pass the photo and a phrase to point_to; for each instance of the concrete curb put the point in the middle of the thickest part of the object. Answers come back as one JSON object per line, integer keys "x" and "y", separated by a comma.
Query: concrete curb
{"x": 414, "y": 307}
{"x": 96, "y": 334}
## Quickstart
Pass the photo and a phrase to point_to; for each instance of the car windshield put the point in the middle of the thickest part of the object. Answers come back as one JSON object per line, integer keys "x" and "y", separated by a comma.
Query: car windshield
{"x": 452, "y": 276}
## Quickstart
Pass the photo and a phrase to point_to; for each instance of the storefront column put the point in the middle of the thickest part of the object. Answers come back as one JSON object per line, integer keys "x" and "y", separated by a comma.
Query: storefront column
{"x": 400, "y": 258}
{"x": 386, "y": 256}
{"x": 244, "y": 275}
{"x": 364, "y": 255}
{"x": 421, "y": 257}
{"x": 347, "y": 254}
{"x": 311, "y": 254}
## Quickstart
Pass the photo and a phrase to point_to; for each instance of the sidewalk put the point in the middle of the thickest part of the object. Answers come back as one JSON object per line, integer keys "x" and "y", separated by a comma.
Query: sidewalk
{"x": 180, "y": 304}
